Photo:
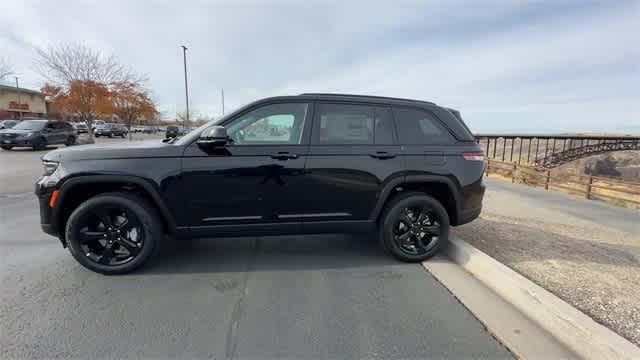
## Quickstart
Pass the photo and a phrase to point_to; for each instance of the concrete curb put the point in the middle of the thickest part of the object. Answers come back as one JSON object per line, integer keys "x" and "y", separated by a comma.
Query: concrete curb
{"x": 570, "y": 326}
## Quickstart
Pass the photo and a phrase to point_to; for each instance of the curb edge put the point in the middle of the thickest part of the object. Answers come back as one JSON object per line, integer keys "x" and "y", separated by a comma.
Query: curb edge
{"x": 576, "y": 330}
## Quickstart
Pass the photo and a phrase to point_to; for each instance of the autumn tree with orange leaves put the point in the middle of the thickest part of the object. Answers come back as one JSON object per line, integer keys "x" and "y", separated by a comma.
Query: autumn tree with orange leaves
{"x": 85, "y": 99}
{"x": 131, "y": 102}
{"x": 85, "y": 83}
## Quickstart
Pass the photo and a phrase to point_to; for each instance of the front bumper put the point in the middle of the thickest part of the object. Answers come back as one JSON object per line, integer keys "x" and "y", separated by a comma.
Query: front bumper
{"x": 48, "y": 215}
{"x": 16, "y": 142}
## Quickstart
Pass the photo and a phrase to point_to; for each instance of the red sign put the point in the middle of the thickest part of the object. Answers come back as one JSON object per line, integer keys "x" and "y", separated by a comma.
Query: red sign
{"x": 16, "y": 106}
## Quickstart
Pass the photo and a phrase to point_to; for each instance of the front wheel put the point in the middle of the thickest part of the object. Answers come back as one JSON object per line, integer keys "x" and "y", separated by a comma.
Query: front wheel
{"x": 414, "y": 227}
{"x": 70, "y": 141}
{"x": 113, "y": 233}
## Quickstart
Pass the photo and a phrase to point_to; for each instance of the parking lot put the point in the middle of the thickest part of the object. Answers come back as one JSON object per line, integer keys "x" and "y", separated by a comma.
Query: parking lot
{"x": 324, "y": 296}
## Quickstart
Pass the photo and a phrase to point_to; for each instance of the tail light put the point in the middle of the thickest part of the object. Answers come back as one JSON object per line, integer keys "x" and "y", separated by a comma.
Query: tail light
{"x": 473, "y": 155}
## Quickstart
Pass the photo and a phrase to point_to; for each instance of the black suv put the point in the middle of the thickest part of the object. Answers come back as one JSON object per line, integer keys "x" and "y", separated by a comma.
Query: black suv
{"x": 37, "y": 134}
{"x": 313, "y": 163}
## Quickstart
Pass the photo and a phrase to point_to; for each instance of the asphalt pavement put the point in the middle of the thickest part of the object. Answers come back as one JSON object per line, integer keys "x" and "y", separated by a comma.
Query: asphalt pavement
{"x": 328, "y": 296}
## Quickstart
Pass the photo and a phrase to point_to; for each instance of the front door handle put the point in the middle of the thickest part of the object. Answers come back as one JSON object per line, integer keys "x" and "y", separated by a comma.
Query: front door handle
{"x": 382, "y": 155}
{"x": 283, "y": 155}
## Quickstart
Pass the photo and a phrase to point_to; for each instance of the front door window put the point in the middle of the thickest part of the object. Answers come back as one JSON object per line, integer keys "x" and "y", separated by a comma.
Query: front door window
{"x": 275, "y": 124}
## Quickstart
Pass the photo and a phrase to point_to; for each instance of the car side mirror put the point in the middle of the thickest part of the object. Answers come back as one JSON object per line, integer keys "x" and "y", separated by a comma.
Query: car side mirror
{"x": 215, "y": 136}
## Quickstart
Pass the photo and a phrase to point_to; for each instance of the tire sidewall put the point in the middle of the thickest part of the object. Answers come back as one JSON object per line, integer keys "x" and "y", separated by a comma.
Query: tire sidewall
{"x": 390, "y": 217}
{"x": 150, "y": 226}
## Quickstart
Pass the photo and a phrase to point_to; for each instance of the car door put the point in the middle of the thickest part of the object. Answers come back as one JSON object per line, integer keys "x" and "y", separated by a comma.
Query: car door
{"x": 426, "y": 143}
{"x": 52, "y": 133}
{"x": 258, "y": 177}
{"x": 353, "y": 154}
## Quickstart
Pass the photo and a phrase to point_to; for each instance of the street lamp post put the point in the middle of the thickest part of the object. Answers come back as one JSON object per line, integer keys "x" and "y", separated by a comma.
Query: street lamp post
{"x": 18, "y": 91}
{"x": 186, "y": 88}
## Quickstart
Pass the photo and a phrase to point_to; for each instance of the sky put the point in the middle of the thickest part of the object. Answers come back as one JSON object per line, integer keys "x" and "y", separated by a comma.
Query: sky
{"x": 508, "y": 66}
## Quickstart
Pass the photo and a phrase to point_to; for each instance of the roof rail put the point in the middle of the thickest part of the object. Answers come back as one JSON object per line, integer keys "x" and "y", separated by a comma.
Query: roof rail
{"x": 367, "y": 96}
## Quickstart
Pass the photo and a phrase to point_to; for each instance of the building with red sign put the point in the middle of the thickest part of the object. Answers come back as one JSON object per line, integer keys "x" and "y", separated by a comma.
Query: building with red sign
{"x": 16, "y": 103}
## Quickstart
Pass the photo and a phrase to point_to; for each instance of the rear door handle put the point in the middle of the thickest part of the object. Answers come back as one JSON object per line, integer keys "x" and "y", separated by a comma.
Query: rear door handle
{"x": 283, "y": 155}
{"x": 382, "y": 155}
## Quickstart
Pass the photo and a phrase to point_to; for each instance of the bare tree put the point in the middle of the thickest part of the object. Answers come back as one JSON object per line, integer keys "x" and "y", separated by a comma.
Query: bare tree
{"x": 63, "y": 64}
{"x": 6, "y": 69}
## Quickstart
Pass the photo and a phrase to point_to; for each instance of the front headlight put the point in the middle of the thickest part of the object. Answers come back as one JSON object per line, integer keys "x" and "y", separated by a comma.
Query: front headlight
{"x": 50, "y": 167}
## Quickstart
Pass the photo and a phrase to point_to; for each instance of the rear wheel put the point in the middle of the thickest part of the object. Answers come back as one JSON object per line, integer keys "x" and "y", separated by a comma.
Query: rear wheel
{"x": 71, "y": 140}
{"x": 414, "y": 227}
{"x": 113, "y": 233}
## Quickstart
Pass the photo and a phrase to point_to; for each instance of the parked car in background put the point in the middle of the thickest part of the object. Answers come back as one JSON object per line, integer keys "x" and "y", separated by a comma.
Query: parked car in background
{"x": 37, "y": 134}
{"x": 110, "y": 130}
{"x": 137, "y": 129}
{"x": 404, "y": 170}
{"x": 8, "y": 124}
{"x": 81, "y": 128}
{"x": 96, "y": 123}
{"x": 172, "y": 131}
{"x": 150, "y": 130}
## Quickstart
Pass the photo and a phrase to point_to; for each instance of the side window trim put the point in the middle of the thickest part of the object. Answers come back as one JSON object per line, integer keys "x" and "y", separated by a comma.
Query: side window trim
{"x": 394, "y": 130}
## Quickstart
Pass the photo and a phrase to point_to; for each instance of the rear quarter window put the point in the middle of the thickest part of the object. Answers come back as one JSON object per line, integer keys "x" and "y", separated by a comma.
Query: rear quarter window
{"x": 419, "y": 127}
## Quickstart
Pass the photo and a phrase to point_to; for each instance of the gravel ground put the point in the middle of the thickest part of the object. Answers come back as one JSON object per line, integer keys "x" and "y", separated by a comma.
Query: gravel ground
{"x": 585, "y": 261}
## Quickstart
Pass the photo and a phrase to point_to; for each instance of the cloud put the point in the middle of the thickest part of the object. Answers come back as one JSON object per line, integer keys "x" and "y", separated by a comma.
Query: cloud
{"x": 508, "y": 66}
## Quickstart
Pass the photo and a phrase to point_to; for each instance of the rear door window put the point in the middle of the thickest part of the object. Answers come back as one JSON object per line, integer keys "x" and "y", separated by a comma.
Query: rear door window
{"x": 418, "y": 127}
{"x": 344, "y": 124}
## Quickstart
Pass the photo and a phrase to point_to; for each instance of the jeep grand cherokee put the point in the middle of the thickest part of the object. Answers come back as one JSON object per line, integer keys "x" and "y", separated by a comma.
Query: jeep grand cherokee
{"x": 315, "y": 163}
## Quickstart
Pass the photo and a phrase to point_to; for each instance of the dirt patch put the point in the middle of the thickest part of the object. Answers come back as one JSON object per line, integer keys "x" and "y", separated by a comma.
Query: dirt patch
{"x": 593, "y": 267}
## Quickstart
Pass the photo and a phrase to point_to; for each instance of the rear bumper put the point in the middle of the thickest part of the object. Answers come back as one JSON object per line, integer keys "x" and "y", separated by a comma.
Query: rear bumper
{"x": 469, "y": 215}
{"x": 472, "y": 205}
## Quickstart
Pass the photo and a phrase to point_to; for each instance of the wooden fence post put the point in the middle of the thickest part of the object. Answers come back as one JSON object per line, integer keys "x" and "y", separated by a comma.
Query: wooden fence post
{"x": 587, "y": 193}
{"x": 546, "y": 180}
{"x": 513, "y": 172}
{"x": 486, "y": 169}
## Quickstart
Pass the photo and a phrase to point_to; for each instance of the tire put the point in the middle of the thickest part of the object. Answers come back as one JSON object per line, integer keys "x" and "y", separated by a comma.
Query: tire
{"x": 110, "y": 136}
{"x": 71, "y": 140}
{"x": 420, "y": 239}
{"x": 7, "y": 147}
{"x": 140, "y": 214}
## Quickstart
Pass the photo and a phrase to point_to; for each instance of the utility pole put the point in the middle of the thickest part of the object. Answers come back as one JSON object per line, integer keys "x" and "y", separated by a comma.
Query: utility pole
{"x": 19, "y": 105}
{"x": 186, "y": 88}
{"x": 222, "y": 101}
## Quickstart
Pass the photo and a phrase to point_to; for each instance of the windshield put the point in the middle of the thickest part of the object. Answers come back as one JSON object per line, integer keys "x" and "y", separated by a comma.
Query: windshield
{"x": 33, "y": 125}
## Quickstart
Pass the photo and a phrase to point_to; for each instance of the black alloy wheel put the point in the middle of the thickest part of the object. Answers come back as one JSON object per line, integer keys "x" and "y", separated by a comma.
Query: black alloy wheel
{"x": 112, "y": 236}
{"x": 414, "y": 226}
{"x": 113, "y": 233}
{"x": 416, "y": 230}
{"x": 71, "y": 140}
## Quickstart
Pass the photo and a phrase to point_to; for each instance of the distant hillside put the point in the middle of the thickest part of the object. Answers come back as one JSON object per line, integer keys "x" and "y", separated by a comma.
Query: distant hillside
{"x": 619, "y": 164}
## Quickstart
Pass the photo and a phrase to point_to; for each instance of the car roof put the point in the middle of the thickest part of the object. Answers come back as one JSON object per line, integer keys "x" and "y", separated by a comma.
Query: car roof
{"x": 368, "y": 98}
